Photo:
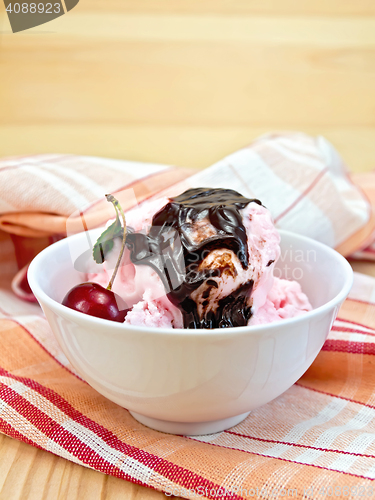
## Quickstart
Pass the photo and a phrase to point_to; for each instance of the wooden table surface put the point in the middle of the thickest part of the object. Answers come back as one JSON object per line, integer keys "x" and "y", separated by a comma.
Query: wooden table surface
{"x": 179, "y": 82}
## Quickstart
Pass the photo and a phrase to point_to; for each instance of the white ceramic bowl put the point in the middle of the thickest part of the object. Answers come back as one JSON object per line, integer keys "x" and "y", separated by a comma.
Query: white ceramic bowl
{"x": 194, "y": 381}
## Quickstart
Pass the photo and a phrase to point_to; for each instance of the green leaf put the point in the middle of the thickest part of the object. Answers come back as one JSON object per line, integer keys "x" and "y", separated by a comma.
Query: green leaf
{"x": 105, "y": 241}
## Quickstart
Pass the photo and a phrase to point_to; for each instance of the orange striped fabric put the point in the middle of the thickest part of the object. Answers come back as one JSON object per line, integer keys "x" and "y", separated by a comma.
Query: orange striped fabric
{"x": 317, "y": 440}
{"x": 301, "y": 179}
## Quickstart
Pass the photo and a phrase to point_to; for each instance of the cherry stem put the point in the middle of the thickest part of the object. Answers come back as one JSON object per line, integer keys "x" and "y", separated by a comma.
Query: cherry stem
{"x": 118, "y": 208}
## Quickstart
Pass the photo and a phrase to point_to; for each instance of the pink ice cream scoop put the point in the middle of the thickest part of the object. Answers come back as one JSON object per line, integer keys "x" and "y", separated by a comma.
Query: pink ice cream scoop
{"x": 204, "y": 259}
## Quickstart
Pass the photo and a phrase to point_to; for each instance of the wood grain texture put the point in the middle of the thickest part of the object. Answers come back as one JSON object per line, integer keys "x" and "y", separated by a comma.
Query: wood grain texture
{"x": 178, "y": 82}
{"x": 185, "y": 146}
{"x": 268, "y": 7}
{"x": 363, "y": 267}
{"x": 202, "y": 80}
{"x": 185, "y": 86}
{"x": 27, "y": 473}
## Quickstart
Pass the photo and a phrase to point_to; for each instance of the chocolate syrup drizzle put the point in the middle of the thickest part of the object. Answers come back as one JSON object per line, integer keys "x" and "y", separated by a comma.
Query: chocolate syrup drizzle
{"x": 206, "y": 209}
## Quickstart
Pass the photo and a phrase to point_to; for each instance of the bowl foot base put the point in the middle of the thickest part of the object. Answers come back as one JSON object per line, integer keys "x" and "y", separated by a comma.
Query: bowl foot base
{"x": 189, "y": 428}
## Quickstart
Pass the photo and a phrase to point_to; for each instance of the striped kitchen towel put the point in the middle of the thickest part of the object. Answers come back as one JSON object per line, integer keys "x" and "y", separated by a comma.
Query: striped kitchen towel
{"x": 301, "y": 179}
{"x": 314, "y": 441}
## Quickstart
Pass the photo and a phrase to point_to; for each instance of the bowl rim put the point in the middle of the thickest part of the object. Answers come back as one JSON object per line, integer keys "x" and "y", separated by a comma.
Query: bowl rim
{"x": 239, "y": 330}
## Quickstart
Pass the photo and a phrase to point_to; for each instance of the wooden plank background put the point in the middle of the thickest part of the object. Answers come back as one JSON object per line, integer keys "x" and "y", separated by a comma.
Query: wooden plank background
{"x": 181, "y": 82}
{"x": 188, "y": 82}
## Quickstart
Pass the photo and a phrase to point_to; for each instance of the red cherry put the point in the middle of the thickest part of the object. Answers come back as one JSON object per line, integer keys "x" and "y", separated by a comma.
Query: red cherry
{"x": 93, "y": 299}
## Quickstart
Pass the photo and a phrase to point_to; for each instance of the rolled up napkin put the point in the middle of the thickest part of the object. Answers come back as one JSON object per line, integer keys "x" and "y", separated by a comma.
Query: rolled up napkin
{"x": 318, "y": 434}
{"x": 39, "y": 193}
{"x": 301, "y": 179}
